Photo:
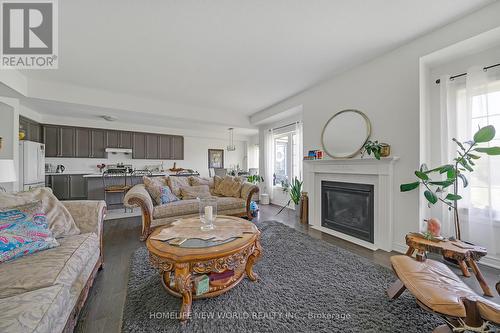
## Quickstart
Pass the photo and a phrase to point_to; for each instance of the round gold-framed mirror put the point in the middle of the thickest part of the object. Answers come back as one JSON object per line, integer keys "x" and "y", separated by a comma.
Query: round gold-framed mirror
{"x": 345, "y": 133}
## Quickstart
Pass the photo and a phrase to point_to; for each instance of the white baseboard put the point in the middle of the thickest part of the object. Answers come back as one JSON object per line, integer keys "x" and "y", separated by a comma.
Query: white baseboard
{"x": 399, "y": 247}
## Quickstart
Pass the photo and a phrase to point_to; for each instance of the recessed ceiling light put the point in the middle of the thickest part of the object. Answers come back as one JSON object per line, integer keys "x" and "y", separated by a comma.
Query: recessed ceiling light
{"x": 109, "y": 118}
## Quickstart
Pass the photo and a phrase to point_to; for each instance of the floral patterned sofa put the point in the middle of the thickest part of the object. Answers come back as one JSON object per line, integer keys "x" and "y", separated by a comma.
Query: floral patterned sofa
{"x": 236, "y": 204}
{"x": 45, "y": 291}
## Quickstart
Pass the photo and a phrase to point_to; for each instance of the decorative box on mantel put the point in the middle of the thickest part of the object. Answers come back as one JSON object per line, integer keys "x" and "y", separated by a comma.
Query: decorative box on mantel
{"x": 371, "y": 222}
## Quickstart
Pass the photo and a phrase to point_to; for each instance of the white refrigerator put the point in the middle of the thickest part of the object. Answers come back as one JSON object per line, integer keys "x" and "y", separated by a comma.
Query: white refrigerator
{"x": 31, "y": 165}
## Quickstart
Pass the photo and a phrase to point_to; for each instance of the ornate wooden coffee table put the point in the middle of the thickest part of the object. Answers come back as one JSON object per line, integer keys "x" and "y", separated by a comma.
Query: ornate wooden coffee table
{"x": 464, "y": 254}
{"x": 180, "y": 265}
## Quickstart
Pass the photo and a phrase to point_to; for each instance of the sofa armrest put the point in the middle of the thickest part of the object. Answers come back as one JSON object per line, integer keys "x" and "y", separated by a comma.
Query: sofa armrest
{"x": 88, "y": 214}
{"x": 89, "y": 217}
{"x": 247, "y": 192}
{"x": 139, "y": 196}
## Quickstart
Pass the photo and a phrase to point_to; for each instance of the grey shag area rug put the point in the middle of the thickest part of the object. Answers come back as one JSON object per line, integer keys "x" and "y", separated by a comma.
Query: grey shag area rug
{"x": 305, "y": 285}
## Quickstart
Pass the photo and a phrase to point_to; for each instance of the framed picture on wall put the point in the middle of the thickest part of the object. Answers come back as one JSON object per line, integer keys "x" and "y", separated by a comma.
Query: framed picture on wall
{"x": 216, "y": 158}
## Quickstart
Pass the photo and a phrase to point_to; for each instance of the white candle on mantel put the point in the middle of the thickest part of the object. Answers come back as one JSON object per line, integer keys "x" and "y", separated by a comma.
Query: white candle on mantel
{"x": 208, "y": 213}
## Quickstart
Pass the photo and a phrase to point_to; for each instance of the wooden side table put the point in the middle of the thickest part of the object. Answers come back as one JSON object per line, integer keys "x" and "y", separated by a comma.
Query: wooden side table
{"x": 465, "y": 254}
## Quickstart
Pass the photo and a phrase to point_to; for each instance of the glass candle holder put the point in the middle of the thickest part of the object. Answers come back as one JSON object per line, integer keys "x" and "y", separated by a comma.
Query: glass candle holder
{"x": 208, "y": 212}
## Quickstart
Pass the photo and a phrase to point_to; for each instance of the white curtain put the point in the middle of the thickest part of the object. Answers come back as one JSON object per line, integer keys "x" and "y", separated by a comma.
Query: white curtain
{"x": 269, "y": 162}
{"x": 299, "y": 153}
{"x": 465, "y": 105}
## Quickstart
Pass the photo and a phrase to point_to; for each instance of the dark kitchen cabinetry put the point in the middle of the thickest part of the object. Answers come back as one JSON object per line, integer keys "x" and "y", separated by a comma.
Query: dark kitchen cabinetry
{"x": 32, "y": 129}
{"x": 68, "y": 187}
{"x": 59, "y": 141}
{"x": 60, "y": 187}
{"x": 66, "y": 141}
{"x": 139, "y": 146}
{"x": 97, "y": 143}
{"x": 119, "y": 139}
{"x": 177, "y": 148}
{"x": 165, "y": 147}
{"x": 82, "y": 142}
{"x": 51, "y": 140}
{"x": 152, "y": 144}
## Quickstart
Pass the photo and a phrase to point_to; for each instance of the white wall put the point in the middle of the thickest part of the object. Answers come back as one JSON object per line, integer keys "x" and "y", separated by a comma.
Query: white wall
{"x": 9, "y": 122}
{"x": 387, "y": 90}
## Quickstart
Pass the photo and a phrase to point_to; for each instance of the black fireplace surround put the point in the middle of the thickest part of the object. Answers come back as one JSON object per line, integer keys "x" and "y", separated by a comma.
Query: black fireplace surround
{"x": 348, "y": 208}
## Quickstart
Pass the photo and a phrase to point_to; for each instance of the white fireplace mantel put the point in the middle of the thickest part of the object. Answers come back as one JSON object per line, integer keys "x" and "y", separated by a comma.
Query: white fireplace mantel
{"x": 378, "y": 173}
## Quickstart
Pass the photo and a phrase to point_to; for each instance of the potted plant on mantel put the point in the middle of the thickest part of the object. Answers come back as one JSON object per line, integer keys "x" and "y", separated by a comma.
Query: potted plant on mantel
{"x": 445, "y": 189}
{"x": 295, "y": 190}
{"x": 378, "y": 149}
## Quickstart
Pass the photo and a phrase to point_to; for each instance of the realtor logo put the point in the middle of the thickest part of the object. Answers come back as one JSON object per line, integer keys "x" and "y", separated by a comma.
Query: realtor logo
{"x": 29, "y": 34}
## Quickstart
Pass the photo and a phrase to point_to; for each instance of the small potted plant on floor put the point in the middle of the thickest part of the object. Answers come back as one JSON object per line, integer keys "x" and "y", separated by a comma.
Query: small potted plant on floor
{"x": 294, "y": 190}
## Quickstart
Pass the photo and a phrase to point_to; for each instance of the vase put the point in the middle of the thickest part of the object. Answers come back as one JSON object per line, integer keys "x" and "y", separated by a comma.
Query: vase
{"x": 208, "y": 212}
{"x": 385, "y": 150}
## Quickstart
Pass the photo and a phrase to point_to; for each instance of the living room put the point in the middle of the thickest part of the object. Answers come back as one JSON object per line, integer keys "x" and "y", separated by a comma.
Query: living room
{"x": 250, "y": 166}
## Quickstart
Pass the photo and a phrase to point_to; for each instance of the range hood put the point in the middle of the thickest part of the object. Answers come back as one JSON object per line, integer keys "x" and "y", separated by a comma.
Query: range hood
{"x": 118, "y": 150}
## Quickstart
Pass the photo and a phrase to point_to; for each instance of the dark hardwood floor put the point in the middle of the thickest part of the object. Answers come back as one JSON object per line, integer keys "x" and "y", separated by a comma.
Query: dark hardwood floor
{"x": 103, "y": 310}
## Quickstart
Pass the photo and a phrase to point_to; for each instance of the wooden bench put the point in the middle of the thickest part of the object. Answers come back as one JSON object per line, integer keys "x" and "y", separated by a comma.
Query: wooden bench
{"x": 437, "y": 289}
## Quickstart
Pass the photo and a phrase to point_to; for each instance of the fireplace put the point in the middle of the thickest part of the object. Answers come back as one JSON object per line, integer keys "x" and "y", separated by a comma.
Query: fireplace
{"x": 348, "y": 208}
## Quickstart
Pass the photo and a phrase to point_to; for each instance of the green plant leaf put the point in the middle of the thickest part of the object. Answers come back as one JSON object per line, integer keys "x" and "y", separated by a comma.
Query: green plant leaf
{"x": 465, "y": 164}
{"x": 444, "y": 183}
{"x": 489, "y": 150}
{"x": 451, "y": 174}
{"x": 459, "y": 144}
{"x": 453, "y": 197}
{"x": 464, "y": 179}
{"x": 475, "y": 157}
{"x": 421, "y": 175}
{"x": 445, "y": 168}
{"x": 485, "y": 134}
{"x": 430, "y": 196}
{"x": 409, "y": 186}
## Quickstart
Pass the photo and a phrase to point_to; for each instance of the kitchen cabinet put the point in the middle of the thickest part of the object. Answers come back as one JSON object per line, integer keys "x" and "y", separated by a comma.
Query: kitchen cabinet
{"x": 51, "y": 140}
{"x": 118, "y": 139}
{"x": 60, "y": 187}
{"x": 66, "y": 141}
{"x": 165, "y": 147}
{"x": 77, "y": 187}
{"x": 152, "y": 141}
{"x": 68, "y": 187}
{"x": 98, "y": 143}
{"x": 139, "y": 146}
{"x": 32, "y": 129}
{"x": 177, "y": 147}
{"x": 82, "y": 142}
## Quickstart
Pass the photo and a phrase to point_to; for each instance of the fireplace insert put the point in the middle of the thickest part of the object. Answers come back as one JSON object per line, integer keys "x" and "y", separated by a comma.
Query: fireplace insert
{"x": 348, "y": 208}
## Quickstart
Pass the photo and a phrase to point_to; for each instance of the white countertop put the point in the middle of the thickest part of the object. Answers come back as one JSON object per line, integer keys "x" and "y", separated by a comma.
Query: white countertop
{"x": 74, "y": 172}
{"x": 99, "y": 175}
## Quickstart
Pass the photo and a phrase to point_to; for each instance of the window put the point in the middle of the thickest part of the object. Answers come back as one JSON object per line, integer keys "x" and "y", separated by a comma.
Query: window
{"x": 286, "y": 157}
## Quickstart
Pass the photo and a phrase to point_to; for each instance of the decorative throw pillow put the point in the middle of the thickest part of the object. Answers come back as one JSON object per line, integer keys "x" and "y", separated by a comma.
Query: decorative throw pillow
{"x": 193, "y": 192}
{"x": 154, "y": 185}
{"x": 23, "y": 231}
{"x": 195, "y": 181}
{"x": 175, "y": 183}
{"x": 167, "y": 195}
{"x": 228, "y": 186}
{"x": 60, "y": 221}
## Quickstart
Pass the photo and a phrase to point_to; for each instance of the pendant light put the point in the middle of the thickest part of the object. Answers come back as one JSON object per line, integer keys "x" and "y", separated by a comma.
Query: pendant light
{"x": 231, "y": 146}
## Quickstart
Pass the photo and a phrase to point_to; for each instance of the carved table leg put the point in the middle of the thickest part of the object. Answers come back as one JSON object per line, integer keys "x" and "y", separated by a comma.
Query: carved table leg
{"x": 184, "y": 287}
{"x": 410, "y": 251}
{"x": 480, "y": 277}
{"x": 252, "y": 259}
{"x": 463, "y": 268}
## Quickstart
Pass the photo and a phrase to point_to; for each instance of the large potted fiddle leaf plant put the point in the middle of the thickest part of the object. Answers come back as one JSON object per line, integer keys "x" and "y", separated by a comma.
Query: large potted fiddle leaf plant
{"x": 441, "y": 184}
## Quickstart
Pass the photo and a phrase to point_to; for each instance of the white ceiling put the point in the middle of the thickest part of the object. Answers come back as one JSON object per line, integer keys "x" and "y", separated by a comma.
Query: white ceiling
{"x": 231, "y": 55}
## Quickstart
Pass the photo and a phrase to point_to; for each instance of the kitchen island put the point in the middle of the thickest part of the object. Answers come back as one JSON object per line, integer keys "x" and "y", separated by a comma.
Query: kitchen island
{"x": 95, "y": 186}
